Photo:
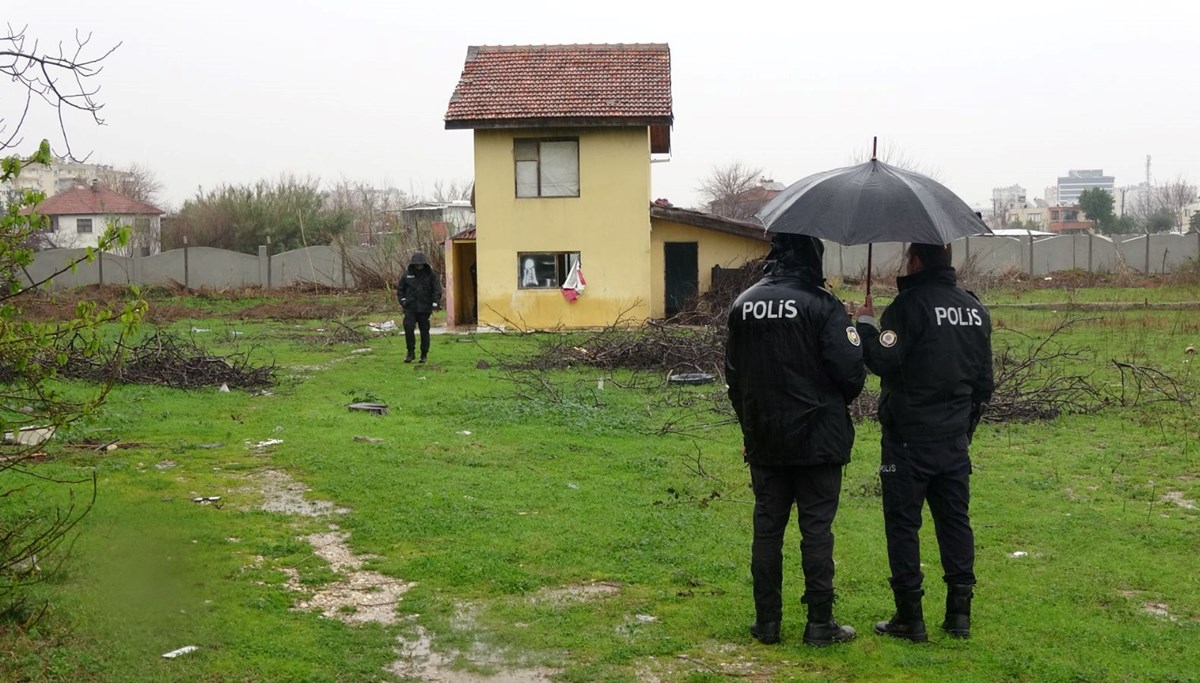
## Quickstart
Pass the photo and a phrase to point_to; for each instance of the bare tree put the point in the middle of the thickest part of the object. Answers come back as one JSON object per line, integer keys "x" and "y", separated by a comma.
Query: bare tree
{"x": 456, "y": 190}
{"x": 1173, "y": 197}
{"x": 898, "y": 157}
{"x": 727, "y": 190}
{"x": 372, "y": 208}
{"x": 134, "y": 181}
{"x": 63, "y": 79}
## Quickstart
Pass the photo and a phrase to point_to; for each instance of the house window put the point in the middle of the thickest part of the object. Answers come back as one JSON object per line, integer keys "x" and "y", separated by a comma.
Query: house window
{"x": 544, "y": 270}
{"x": 547, "y": 168}
{"x": 83, "y": 225}
{"x": 141, "y": 224}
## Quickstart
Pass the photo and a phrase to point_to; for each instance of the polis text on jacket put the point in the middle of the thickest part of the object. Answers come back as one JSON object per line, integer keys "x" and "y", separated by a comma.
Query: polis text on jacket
{"x": 759, "y": 310}
{"x": 957, "y": 316}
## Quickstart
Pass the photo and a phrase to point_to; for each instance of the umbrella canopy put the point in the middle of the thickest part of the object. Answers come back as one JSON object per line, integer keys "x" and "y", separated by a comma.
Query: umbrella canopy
{"x": 871, "y": 202}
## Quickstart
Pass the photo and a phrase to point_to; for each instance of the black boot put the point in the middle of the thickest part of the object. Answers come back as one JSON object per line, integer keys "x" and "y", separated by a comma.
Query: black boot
{"x": 422, "y": 359}
{"x": 909, "y": 621}
{"x": 958, "y": 610}
{"x": 410, "y": 357}
{"x": 822, "y": 629}
{"x": 766, "y": 632}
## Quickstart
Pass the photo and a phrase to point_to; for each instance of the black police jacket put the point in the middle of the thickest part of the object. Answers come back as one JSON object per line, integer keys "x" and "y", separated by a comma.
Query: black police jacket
{"x": 933, "y": 354}
{"x": 793, "y": 363}
{"x": 419, "y": 287}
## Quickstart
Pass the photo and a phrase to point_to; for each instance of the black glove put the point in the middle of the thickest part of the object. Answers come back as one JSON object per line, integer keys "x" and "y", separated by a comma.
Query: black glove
{"x": 976, "y": 416}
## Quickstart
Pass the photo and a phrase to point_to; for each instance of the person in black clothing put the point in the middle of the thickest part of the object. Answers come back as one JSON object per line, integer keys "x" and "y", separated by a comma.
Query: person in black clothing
{"x": 793, "y": 364}
{"x": 932, "y": 350}
{"x": 419, "y": 291}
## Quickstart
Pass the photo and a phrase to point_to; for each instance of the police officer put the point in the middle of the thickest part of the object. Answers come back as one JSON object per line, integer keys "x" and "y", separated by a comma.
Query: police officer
{"x": 793, "y": 363}
{"x": 419, "y": 291}
{"x": 933, "y": 353}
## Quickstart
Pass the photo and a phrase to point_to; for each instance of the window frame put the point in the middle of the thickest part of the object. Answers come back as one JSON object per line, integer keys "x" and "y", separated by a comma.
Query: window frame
{"x": 539, "y": 168}
{"x": 79, "y": 226}
{"x": 562, "y": 262}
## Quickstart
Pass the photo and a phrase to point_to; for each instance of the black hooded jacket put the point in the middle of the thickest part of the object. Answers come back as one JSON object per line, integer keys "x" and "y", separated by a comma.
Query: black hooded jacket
{"x": 419, "y": 287}
{"x": 933, "y": 355}
{"x": 793, "y": 362}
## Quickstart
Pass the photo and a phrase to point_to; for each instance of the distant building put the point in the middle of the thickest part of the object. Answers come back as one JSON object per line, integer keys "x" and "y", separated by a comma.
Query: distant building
{"x": 1035, "y": 217}
{"x": 1051, "y": 195}
{"x": 445, "y": 219}
{"x": 745, "y": 204}
{"x": 1131, "y": 199}
{"x": 80, "y": 215}
{"x": 59, "y": 176}
{"x": 1075, "y": 182}
{"x": 1067, "y": 220}
{"x": 1005, "y": 198}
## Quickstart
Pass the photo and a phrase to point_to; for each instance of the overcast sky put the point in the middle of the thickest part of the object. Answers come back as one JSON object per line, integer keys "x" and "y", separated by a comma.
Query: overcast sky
{"x": 984, "y": 94}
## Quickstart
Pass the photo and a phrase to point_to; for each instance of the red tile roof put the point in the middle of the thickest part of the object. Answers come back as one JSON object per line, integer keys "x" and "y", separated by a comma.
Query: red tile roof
{"x": 512, "y": 85}
{"x": 94, "y": 201}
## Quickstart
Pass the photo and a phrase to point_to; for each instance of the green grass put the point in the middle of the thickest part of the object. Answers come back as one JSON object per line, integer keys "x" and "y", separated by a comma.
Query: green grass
{"x": 542, "y": 494}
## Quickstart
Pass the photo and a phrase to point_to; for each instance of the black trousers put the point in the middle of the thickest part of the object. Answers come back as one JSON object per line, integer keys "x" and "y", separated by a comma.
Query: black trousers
{"x": 814, "y": 491}
{"x": 939, "y": 473}
{"x": 412, "y": 319}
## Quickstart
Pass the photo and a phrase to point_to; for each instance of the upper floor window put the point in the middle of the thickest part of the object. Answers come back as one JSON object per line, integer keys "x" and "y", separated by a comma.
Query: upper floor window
{"x": 83, "y": 225}
{"x": 547, "y": 168}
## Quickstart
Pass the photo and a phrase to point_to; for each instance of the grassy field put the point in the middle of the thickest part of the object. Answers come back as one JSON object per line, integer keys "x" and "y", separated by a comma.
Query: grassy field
{"x": 479, "y": 531}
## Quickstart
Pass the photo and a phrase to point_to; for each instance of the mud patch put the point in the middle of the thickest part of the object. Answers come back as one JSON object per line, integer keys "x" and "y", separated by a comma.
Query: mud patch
{"x": 725, "y": 661}
{"x": 1158, "y": 609}
{"x": 575, "y": 594}
{"x": 1177, "y": 498}
{"x": 283, "y": 494}
{"x": 362, "y": 596}
{"x": 419, "y": 661}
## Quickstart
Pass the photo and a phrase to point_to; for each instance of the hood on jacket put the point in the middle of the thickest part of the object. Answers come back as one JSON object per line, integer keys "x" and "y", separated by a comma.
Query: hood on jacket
{"x": 418, "y": 259}
{"x": 797, "y": 255}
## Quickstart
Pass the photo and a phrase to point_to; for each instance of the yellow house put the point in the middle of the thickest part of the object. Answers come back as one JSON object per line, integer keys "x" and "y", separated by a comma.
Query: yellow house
{"x": 563, "y": 141}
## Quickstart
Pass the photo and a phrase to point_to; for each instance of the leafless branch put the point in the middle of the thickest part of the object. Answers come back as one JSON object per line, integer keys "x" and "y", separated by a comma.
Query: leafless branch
{"x": 62, "y": 79}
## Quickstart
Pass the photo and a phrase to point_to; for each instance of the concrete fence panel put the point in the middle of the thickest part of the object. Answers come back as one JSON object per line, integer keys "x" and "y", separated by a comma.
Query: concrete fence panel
{"x": 206, "y": 267}
{"x": 992, "y": 254}
{"x": 319, "y": 265}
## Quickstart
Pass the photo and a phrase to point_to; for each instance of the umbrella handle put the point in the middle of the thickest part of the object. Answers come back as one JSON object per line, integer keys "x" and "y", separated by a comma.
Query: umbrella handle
{"x": 869, "y": 246}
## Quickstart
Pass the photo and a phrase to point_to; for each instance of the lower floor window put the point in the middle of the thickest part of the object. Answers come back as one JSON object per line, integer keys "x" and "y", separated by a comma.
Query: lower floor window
{"x": 83, "y": 225}
{"x": 544, "y": 269}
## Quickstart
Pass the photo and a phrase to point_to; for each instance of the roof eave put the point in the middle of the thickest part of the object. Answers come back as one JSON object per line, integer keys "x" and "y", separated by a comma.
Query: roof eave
{"x": 559, "y": 122}
{"x": 706, "y": 221}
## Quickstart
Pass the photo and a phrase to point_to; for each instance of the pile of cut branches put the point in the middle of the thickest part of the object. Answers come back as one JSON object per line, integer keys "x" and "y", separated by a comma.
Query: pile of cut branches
{"x": 652, "y": 346}
{"x": 712, "y": 307}
{"x": 165, "y": 359}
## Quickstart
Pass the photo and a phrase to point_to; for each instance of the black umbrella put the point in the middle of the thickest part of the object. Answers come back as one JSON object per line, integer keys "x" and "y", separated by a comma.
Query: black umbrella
{"x": 871, "y": 202}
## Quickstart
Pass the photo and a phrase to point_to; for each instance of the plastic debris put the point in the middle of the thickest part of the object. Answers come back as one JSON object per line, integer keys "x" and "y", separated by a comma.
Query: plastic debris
{"x": 375, "y": 408}
{"x": 691, "y": 378}
{"x": 224, "y": 388}
{"x": 30, "y": 436}
{"x": 1018, "y": 553}
{"x": 386, "y": 326}
{"x": 205, "y": 500}
{"x": 465, "y": 432}
{"x": 181, "y": 651}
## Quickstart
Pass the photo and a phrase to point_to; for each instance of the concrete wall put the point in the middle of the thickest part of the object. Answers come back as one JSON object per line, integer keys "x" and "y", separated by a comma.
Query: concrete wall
{"x": 199, "y": 267}
{"x": 1036, "y": 255}
{"x": 196, "y": 267}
